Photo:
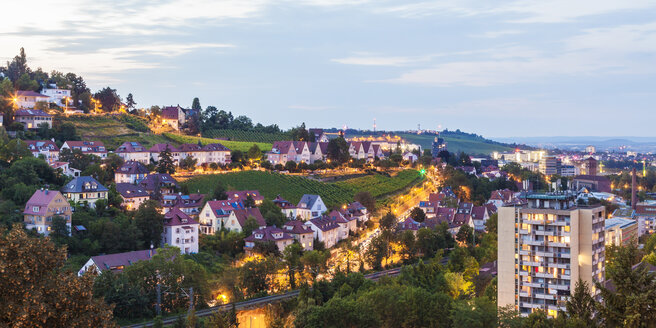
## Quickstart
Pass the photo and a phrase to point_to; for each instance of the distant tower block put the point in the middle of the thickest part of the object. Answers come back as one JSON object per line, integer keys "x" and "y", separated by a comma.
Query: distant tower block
{"x": 591, "y": 166}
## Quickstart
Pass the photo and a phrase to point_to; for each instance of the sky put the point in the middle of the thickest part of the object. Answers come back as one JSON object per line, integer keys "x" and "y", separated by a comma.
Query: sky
{"x": 495, "y": 68}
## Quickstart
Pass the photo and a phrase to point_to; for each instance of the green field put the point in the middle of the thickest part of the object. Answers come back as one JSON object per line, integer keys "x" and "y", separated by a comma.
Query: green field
{"x": 293, "y": 187}
{"x": 112, "y": 130}
{"x": 233, "y": 145}
{"x": 251, "y": 136}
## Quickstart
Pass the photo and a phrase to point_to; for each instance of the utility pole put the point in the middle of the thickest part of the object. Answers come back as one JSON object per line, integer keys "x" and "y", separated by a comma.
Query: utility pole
{"x": 158, "y": 306}
{"x": 191, "y": 299}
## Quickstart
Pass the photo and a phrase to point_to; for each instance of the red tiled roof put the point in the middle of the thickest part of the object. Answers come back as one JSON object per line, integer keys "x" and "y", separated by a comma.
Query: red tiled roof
{"x": 30, "y": 112}
{"x": 132, "y": 167}
{"x": 105, "y": 262}
{"x": 41, "y": 145}
{"x": 243, "y": 215}
{"x": 297, "y": 227}
{"x": 131, "y": 147}
{"x": 40, "y": 199}
{"x": 158, "y": 148}
{"x": 268, "y": 234}
{"x": 241, "y": 195}
{"x": 478, "y": 212}
{"x": 29, "y": 93}
{"x": 325, "y": 223}
{"x": 170, "y": 113}
{"x": 175, "y": 217}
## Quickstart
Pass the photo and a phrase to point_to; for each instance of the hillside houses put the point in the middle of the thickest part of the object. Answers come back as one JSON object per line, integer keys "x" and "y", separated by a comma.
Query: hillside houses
{"x": 310, "y": 152}
{"x": 133, "y": 195}
{"x": 180, "y": 231}
{"x": 96, "y": 148}
{"x": 131, "y": 172}
{"x": 42, "y": 207}
{"x": 173, "y": 116}
{"x": 214, "y": 214}
{"x": 238, "y": 217}
{"x": 85, "y": 190}
{"x": 301, "y": 233}
{"x": 204, "y": 155}
{"x": 268, "y": 234}
{"x": 32, "y": 118}
{"x": 47, "y": 148}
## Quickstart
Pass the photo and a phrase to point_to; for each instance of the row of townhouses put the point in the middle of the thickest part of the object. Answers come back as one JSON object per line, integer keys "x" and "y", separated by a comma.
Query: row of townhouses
{"x": 310, "y": 152}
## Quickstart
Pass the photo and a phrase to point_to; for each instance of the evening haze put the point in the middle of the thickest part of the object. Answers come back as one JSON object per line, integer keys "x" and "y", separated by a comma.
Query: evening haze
{"x": 498, "y": 69}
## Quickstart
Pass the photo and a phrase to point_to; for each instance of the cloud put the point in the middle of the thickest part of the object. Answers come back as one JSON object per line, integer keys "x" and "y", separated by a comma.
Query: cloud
{"x": 497, "y": 34}
{"x": 372, "y": 60}
{"x": 312, "y": 108}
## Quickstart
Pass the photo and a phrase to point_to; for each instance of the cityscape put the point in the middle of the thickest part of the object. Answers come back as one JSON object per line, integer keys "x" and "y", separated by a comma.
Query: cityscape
{"x": 138, "y": 192}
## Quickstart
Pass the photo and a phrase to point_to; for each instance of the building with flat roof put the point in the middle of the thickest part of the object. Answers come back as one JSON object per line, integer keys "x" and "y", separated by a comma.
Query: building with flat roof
{"x": 550, "y": 165}
{"x": 554, "y": 242}
{"x": 621, "y": 231}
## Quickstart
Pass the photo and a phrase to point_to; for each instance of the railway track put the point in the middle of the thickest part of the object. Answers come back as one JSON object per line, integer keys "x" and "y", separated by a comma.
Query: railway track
{"x": 257, "y": 302}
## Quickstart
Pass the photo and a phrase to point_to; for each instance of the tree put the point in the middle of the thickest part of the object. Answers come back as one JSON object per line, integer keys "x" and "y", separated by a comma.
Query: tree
{"x": 249, "y": 202}
{"x": 315, "y": 262}
{"x": 130, "y": 103}
{"x": 250, "y": 225}
{"x": 150, "y": 222}
{"x": 109, "y": 99}
{"x": 465, "y": 234}
{"x": 338, "y": 150}
{"x": 195, "y": 105}
{"x": 418, "y": 214}
{"x": 254, "y": 152}
{"x": 580, "y": 308}
{"x": 219, "y": 192}
{"x": 188, "y": 163}
{"x": 457, "y": 285}
{"x": 290, "y": 166}
{"x": 18, "y": 66}
{"x": 48, "y": 295}
{"x": 368, "y": 201}
{"x": 165, "y": 163}
{"x": 272, "y": 214}
{"x": 292, "y": 257}
{"x": 388, "y": 222}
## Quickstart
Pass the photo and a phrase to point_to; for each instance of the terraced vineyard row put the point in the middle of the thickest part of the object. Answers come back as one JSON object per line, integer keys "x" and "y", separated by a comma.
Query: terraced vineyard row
{"x": 379, "y": 185}
{"x": 239, "y": 135}
{"x": 233, "y": 145}
{"x": 293, "y": 187}
{"x": 270, "y": 185}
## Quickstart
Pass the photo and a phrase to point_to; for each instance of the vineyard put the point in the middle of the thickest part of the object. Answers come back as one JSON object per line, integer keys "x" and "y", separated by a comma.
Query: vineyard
{"x": 379, "y": 185}
{"x": 251, "y": 136}
{"x": 293, "y": 187}
{"x": 270, "y": 185}
{"x": 232, "y": 145}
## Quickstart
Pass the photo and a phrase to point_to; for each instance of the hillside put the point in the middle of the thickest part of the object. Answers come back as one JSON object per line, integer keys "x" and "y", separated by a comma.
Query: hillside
{"x": 456, "y": 141}
{"x": 115, "y": 129}
{"x": 293, "y": 187}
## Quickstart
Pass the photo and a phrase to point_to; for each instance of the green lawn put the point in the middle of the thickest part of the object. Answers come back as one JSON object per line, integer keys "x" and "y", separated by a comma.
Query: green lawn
{"x": 250, "y": 136}
{"x": 293, "y": 187}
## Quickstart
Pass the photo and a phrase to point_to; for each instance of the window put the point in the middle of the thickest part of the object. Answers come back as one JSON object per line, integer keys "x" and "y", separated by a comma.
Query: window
{"x": 35, "y": 209}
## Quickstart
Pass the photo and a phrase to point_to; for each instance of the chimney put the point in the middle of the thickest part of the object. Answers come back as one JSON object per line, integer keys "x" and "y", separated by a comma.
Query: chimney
{"x": 634, "y": 197}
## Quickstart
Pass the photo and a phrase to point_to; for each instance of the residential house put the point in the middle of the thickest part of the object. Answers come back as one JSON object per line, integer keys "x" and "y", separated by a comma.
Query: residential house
{"x": 47, "y": 148}
{"x": 409, "y": 225}
{"x": 325, "y": 230}
{"x": 173, "y": 116}
{"x": 159, "y": 183}
{"x": 215, "y": 153}
{"x": 66, "y": 169}
{"x": 645, "y": 214}
{"x": 32, "y": 118}
{"x": 310, "y": 206}
{"x": 42, "y": 207}
{"x": 319, "y": 135}
{"x": 59, "y": 97}
{"x": 287, "y": 208}
{"x": 116, "y": 262}
{"x": 85, "y": 190}
{"x": 358, "y": 211}
{"x": 28, "y": 99}
{"x": 282, "y": 152}
{"x": 131, "y": 172}
{"x": 429, "y": 208}
{"x": 459, "y": 220}
{"x": 242, "y": 195}
{"x": 238, "y": 217}
{"x": 215, "y": 213}
{"x": 410, "y": 157}
{"x": 318, "y": 151}
{"x": 347, "y": 223}
{"x": 133, "y": 151}
{"x": 596, "y": 183}
{"x": 268, "y": 234}
{"x": 189, "y": 204}
{"x": 156, "y": 149}
{"x": 133, "y": 195}
{"x": 479, "y": 217}
{"x": 501, "y": 197}
{"x": 180, "y": 231}
{"x": 96, "y": 148}
{"x": 442, "y": 215}
{"x": 301, "y": 232}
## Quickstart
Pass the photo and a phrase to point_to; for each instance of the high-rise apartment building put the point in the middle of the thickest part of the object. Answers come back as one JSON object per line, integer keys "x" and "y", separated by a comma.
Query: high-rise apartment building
{"x": 545, "y": 246}
{"x": 550, "y": 165}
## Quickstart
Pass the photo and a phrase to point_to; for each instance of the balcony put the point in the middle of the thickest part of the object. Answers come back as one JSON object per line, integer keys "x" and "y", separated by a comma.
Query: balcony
{"x": 533, "y": 242}
{"x": 544, "y": 275}
{"x": 545, "y": 296}
{"x": 545, "y": 233}
{"x": 532, "y": 284}
{"x": 524, "y": 294}
{"x": 523, "y": 232}
{"x": 547, "y": 254}
{"x": 558, "y": 287}
{"x": 521, "y": 252}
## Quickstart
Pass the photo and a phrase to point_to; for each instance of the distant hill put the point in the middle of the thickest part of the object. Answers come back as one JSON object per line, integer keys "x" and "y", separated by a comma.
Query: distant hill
{"x": 639, "y": 144}
{"x": 457, "y": 141}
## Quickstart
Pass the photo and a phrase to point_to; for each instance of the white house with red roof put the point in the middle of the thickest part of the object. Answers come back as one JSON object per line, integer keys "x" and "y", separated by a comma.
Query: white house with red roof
{"x": 173, "y": 116}
{"x": 28, "y": 99}
{"x": 347, "y": 223}
{"x": 47, "y": 148}
{"x": 42, "y": 207}
{"x": 133, "y": 151}
{"x": 268, "y": 234}
{"x": 325, "y": 230}
{"x": 301, "y": 233}
{"x": 310, "y": 206}
{"x": 287, "y": 208}
{"x": 479, "y": 217}
{"x": 87, "y": 147}
{"x": 66, "y": 169}
{"x": 156, "y": 149}
{"x": 501, "y": 197}
{"x": 131, "y": 172}
{"x": 180, "y": 231}
{"x": 32, "y": 118}
{"x": 215, "y": 213}
{"x": 189, "y": 204}
{"x": 238, "y": 217}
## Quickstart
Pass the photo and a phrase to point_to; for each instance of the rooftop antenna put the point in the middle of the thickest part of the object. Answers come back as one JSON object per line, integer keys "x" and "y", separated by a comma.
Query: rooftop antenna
{"x": 374, "y": 125}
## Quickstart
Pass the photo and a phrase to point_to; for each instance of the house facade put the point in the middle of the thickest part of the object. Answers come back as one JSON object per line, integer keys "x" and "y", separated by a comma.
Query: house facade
{"x": 173, "y": 116}
{"x": 301, "y": 233}
{"x": 32, "y": 118}
{"x": 131, "y": 172}
{"x": 325, "y": 230}
{"x": 28, "y": 99}
{"x": 238, "y": 217}
{"x": 268, "y": 234}
{"x": 180, "y": 231}
{"x": 85, "y": 190}
{"x": 42, "y": 207}
{"x": 310, "y": 206}
{"x": 96, "y": 148}
{"x": 215, "y": 213}
{"x": 47, "y": 148}
{"x": 133, "y": 151}
{"x": 133, "y": 195}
